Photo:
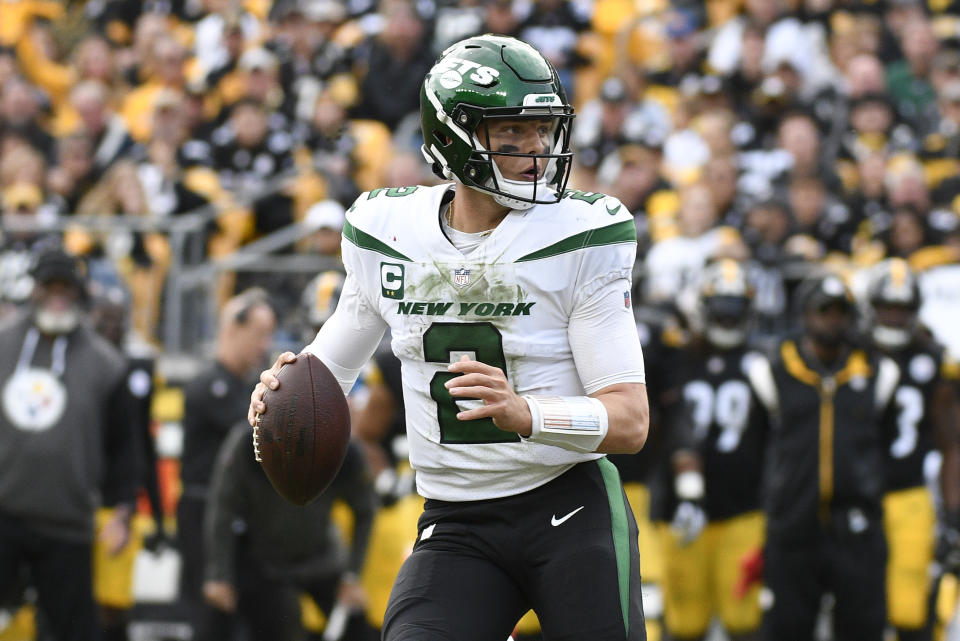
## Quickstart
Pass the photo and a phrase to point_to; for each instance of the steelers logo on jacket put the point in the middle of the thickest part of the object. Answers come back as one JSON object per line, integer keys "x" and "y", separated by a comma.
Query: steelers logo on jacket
{"x": 34, "y": 399}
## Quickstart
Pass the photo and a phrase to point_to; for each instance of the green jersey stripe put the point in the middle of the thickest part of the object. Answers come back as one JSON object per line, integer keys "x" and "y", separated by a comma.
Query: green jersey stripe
{"x": 363, "y": 240}
{"x": 621, "y": 533}
{"x": 622, "y": 232}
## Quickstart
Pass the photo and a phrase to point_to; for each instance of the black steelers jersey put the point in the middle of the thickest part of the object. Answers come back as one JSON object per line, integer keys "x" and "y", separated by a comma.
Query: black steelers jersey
{"x": 924, "y": 365}
{"x": 250, "y": 168}
{"x": 729, "y": 438}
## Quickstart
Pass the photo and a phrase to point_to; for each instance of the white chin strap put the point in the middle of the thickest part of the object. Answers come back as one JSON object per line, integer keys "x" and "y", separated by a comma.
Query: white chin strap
{"x": 725, "y": 337}
{"x": 525, "y": 189}
{"x": 890, "y": 337}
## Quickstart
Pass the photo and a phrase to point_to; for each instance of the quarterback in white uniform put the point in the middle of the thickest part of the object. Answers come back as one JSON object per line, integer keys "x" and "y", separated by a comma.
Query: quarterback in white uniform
{"x": 508, "y": 301}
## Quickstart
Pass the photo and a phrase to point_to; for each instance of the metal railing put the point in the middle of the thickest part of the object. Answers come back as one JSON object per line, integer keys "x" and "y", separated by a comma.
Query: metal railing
{"x": 189, "y": 301}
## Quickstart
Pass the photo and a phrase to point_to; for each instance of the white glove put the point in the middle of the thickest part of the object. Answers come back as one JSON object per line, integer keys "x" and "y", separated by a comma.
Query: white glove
{"x": 688, "y": 522}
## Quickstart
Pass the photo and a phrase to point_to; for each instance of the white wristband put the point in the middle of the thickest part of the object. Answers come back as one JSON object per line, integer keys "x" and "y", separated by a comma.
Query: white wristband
{"x": 576, "y": 423}
{"x": 689, "y": 486}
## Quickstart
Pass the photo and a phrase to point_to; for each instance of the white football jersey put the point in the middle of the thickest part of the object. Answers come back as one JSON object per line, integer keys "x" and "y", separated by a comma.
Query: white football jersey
{"x": 508, "y": 304}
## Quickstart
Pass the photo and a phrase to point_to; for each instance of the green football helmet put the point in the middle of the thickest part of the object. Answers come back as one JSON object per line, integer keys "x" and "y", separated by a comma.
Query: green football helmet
{"x": 488, "y": 77}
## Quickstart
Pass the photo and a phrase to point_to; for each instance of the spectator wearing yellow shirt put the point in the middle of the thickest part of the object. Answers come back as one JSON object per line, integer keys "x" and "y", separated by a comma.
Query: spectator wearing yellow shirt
{"x": 166, "y": 71}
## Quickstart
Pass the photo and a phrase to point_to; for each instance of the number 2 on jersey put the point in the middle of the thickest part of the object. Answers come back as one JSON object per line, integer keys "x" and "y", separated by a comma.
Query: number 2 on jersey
{"x": 440, "y": 341}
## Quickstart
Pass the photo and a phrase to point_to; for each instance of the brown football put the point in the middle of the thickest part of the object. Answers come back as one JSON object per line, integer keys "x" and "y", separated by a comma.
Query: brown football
{"x": 301, "y": 439}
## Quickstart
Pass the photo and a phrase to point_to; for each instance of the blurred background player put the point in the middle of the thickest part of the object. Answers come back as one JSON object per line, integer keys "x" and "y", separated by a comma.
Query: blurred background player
{"x": 113, "y": 574}
{"x": 66, "y": 447}
{"x": 829, "y": 408}
{"x": 703, "y": 565}
{"x": 262, "y": 551}
{"x": 213, "y": 402}
{"x": 927, "y": 421}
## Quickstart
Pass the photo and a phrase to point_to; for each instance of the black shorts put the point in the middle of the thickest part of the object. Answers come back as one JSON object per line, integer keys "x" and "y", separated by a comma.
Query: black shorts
{"x": 798, "y": 574}
{"x": 568, "y": 550}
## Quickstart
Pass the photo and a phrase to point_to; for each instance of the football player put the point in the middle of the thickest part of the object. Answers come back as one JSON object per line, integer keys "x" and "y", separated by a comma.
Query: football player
{"x": 507, "y": 299}
{"x": 828, "y": 404}
{"x": 926, "y": 405}
{"x": 703, "y": 567}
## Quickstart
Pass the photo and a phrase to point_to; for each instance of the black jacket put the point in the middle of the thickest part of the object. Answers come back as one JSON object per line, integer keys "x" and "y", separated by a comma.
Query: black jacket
{"x": 67, "y": 444}
{"x": 828, "y": 435}
{"x": 285, "y": 541}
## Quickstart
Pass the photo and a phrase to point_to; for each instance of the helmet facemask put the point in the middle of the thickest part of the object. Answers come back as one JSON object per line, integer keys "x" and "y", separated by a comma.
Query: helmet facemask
{"x": 551, "y": 166}
{"x": 894, "y": 296}
{"x": 894, "y": 325}
{"x": 725, "y": 304}
{"x": 726, "y": 320}
{"x": 481, "y": 170}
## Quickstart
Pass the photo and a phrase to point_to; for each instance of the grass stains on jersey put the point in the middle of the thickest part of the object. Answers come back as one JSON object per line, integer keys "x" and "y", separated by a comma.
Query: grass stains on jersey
{"x": 507, "y": 303}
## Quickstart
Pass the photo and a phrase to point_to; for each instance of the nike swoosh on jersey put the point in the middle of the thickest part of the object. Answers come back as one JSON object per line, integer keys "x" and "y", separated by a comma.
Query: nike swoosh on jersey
{"x": 612, "y": 211}
{"x": 555, "y": 521}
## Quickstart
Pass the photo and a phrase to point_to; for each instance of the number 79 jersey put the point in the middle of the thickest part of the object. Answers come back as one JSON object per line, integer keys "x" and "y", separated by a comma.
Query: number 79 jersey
{"x": 513, "y": 303}
{"x": 726, "y": 428}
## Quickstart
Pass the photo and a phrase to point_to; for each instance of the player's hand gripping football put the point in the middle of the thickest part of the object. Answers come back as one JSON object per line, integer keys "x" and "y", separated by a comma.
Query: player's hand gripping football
{"x": 489, "y": 384}
{"x": 268, "y": 380}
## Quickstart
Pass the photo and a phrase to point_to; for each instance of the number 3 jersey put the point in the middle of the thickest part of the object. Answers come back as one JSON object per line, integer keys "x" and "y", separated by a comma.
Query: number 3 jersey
{"x": 545, "y": 298}
{"x": 924, "y": 365}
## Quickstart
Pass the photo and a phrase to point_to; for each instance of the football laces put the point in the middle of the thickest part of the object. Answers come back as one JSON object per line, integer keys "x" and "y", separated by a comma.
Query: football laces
{"x": 256, "y": 440}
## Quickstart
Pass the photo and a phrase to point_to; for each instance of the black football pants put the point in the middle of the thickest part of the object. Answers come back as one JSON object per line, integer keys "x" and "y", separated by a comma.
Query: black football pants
{"x": 61, "y": 572}
{"x": 567, "y": 549}
{"x": 852, "y": 568}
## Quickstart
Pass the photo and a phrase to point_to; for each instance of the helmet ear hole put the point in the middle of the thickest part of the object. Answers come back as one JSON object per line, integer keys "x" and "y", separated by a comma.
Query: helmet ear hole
{"x": 441, "y": 138}
{"x": 438, "y": 171}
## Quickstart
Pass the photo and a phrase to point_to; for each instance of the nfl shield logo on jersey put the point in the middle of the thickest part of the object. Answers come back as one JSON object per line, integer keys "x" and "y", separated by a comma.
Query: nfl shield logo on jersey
{"x": 461, "y": 276}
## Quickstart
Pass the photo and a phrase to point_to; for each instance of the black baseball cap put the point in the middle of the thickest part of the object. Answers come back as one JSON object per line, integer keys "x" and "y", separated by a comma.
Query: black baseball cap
{"x": 55, "y": 265}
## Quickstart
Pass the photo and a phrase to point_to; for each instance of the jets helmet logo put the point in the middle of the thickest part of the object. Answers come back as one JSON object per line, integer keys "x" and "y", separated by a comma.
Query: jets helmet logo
{"x": 452, "y": 71}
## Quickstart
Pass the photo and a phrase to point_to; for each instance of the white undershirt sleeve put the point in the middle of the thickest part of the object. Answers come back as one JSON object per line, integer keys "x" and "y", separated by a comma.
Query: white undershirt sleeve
{"x": 604, "y": 340}
{"x": 350, "y": 336}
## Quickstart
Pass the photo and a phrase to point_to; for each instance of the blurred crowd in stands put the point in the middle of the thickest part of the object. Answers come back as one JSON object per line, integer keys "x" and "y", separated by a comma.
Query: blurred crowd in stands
{"x": 783, "y": 131}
